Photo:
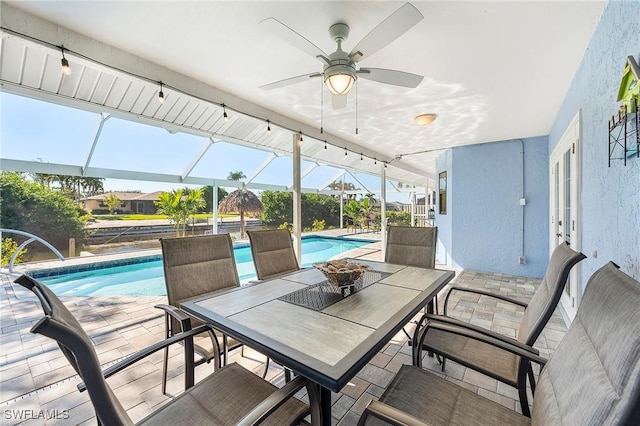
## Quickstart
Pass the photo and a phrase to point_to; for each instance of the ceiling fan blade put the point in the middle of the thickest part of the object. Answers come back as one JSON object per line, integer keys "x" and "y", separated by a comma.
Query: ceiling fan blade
{"x": 290, "y": 80}
{"x": 398, "y": 23}
{"x": 290, "y": 36}
{"x": 396, "y": 78}
{"x": 338, "y": 101}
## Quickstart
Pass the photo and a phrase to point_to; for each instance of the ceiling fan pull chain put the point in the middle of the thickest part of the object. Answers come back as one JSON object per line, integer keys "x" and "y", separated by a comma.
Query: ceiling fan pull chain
{"x": 322, "y": 107}
{"x": 356, "y": 106}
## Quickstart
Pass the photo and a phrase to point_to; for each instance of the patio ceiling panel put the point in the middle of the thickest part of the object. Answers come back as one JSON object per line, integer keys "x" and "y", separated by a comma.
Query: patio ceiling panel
{"x": 196, "y": 114}
{"x": 13, "y": 54}
{"x": 104, "y": 85}
{"x": 145, "y": 102}
{"x": 33, "y": 66}
{"x": 98, "y": 88}
{"x": 87, "y": 85}
{"x": 131, "y": 96}
{"x": 187, "y": 111}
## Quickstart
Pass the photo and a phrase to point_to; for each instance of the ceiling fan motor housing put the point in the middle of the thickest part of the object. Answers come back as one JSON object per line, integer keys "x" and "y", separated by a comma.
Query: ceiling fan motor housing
{"x": 339, "y": 72}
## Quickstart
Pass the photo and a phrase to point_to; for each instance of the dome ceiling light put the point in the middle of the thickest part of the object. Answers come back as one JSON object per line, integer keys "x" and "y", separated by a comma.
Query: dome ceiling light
{"x": 425, "y": 119}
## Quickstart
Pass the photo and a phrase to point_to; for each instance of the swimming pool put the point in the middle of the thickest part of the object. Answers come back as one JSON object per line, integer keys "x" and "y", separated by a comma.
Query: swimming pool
{"x": 145, "y": 277}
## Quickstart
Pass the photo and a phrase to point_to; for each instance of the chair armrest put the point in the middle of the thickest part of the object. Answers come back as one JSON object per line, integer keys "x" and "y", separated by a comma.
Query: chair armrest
{"x": 389, "y": 414}
{"x": 177, "y": 313}
{"x": 143, "y": 353}
{"x": 458, "y": 323}
{"x": 483, "y": 293}
{"x": 512, "y": 346}
{"x": 275, "y": 400}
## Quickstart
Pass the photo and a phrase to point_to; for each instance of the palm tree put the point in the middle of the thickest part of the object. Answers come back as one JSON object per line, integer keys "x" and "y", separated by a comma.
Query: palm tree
{"x": 179, "y": 205}
{"x": 168, "y": 203}
{"x": 192, "y": 202}
{"x": 241, "y": 200}
{"x": 238, "y": 175}
{"x": 338, "y": 186}
{"x": 92, "y": 186}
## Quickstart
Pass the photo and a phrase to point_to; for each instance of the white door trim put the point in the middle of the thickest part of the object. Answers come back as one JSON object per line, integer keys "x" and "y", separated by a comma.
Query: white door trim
{"x": 570, "y": 140}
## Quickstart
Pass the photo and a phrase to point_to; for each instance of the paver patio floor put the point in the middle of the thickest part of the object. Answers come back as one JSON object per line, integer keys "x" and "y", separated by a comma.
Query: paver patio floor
{"x": 37, "y": 385}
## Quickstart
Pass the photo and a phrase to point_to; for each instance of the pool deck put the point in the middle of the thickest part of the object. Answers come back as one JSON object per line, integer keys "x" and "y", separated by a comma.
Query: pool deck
{"x": 38, "y": 387}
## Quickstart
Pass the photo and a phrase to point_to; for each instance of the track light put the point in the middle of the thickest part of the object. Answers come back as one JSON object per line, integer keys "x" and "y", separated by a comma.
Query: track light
{"x": 66, "y": 69}
{"x": 345, "y": 151}
{"x": 375, "y": 161}
{"x": 161, "y": 94}
{"x": 300, "y": 138}
{"x": 325, "y": 144}
{"x": 360, "y": 156}
{"x": 268, "y": 127}
{"x": 224, "y": 113}
{"x": 385, "y": 164}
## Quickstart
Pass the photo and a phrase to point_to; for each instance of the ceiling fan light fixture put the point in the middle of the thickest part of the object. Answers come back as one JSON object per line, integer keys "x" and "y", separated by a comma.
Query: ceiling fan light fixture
{"x": 425, "y": 119}
{"x": 340, "y": 84}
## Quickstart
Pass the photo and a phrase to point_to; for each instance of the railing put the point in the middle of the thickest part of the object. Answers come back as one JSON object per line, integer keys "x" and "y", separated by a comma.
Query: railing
{"x": 31, "y": 239}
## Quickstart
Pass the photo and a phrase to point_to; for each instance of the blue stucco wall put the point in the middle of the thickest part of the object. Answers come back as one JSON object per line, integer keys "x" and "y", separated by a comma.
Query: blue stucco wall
{"x": 610, "y": 207}
{"x": 483, "y": 229}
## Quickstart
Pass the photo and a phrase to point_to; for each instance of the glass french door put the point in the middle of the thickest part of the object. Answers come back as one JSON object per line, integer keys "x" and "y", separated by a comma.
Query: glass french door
{"x": 564, "y": 198}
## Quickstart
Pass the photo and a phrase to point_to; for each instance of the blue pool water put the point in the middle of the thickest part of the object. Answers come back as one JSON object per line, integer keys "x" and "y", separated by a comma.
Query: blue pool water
{"x": 146, "y": 278}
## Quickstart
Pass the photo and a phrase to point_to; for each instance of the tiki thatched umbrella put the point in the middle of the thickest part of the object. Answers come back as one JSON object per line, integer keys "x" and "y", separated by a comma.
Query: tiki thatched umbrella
{"x": 241, "y": 200}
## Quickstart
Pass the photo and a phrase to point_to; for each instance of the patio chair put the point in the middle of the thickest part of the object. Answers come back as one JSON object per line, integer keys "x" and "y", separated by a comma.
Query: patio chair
{"x": 273, "y": 255}
{"x": 231, "y": 395}
{"x": 412, "y": 246}
{"x": 272, "y": 252}
{"x": 502, "y": 365}
{"x": 194, "y": 267}
{"x": 592, "y": 378}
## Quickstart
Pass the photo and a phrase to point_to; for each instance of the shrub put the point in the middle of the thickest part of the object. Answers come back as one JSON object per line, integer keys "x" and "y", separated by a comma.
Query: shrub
{"x": 278, "y": 208}
{"x": 318, "y": 225}
{"x": 9, "y": 247}
{"x": 31, "y": 207}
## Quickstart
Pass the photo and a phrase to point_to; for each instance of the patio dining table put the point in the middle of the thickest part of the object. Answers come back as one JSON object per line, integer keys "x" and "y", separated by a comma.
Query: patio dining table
{"x": 317, "y": 330}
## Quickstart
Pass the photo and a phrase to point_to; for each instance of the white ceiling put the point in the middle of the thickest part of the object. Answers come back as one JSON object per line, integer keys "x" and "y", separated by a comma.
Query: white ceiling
{"x": 493, "y": 70}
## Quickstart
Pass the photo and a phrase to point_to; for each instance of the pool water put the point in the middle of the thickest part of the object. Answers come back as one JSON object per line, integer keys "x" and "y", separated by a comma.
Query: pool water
{"x": 147, "y": 278}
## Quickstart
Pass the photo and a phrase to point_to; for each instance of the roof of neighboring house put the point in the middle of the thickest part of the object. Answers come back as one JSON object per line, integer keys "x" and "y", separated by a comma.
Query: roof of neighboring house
{"x": 129, "y": 196}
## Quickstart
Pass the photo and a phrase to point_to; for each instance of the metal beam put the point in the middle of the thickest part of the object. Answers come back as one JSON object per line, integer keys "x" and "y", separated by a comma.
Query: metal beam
{"x": 197, "y": 159}
{"x": 261, "y": 167}
{"x": 306, "y": 172}
{"x": 103, "y": 119}
{"x": 9, "y": 164}
{"x": 333, "y": 179}
{"x": 358, "y": 180}
{"x": 297, "y": 198}
{"x": 383, "y": 209}
{"x": 215, "y": 209}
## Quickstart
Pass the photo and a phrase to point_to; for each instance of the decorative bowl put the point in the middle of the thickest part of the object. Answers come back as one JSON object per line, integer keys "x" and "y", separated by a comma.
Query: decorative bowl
{"x": 341, "y": 272}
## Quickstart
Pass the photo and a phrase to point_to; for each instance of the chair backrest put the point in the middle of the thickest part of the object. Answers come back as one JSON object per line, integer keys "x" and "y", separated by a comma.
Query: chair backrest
{"x": 272, "y": 252}
{"x": 593, "y": 377}
{"x": 546, "y": 298}
{"x": 412, "y": 246}
{"x": 59, "y": 324}
{"x": 197, "y": 266}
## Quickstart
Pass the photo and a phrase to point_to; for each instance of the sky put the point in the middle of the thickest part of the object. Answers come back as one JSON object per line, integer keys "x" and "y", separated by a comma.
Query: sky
{"x": 34, "y": 130}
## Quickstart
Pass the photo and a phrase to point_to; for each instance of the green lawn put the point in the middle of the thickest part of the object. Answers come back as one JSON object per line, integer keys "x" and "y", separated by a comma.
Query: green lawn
{"x": 155, "y": 216}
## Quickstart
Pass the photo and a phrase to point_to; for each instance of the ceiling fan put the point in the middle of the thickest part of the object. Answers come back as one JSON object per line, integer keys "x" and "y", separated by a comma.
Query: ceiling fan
{"x": 340, "y": 69}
